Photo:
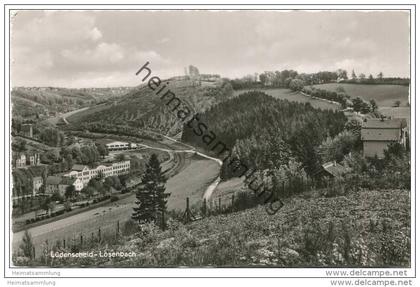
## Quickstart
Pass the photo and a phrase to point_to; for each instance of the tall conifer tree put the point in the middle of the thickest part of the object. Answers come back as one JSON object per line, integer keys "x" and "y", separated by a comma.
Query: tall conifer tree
{"x": 151, "y": 197}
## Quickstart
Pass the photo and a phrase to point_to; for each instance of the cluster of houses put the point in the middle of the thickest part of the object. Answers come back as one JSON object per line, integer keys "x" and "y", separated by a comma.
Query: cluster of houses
{"x": 79, "y": 177}
{"x": 24, "y": 160}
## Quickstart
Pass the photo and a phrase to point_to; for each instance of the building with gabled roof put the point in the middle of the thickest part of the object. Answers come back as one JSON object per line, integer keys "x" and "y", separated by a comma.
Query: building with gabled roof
{"x": 377, "y": 134}
{"x": 79, "y": 167}
{"x": 52, "y": 184}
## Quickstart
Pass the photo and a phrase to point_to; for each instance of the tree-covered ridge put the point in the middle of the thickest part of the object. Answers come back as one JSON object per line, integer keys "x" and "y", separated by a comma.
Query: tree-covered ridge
{"x": 142, "y": 108}
{"x": 265, "y": 133}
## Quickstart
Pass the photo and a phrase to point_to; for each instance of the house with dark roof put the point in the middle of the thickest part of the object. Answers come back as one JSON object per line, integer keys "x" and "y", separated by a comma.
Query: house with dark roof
{"x": 377, "y": 134}
{"x": 79, "y": 167}
{"x": 52, "y": 184}
{"x": 64, "y": 183}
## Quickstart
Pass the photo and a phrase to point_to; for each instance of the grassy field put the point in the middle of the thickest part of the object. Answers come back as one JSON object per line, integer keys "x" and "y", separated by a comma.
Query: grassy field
{"x": 192, "y": 181}
{"x": 397, "y": 112}
{"x": 286, "y": 94}
{"x": 384, "y": 95}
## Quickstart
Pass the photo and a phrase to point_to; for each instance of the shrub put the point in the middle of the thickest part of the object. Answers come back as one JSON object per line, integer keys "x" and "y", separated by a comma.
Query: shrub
{"x": 27, "y": 246}
{"x": 114, "y": 198}
{"x": 130, "y": 227}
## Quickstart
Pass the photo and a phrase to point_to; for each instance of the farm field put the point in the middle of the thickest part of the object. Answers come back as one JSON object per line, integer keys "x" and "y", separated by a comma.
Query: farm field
{"x": 384, "y": 95}
{"x": 286, "y": 94}
{"x": 397, "y": 112}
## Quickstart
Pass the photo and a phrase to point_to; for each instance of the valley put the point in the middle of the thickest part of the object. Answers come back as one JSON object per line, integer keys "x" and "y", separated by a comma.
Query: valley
{"x": 290, "y": 150}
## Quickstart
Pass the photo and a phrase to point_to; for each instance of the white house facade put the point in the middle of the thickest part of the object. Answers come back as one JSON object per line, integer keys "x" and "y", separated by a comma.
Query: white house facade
{"x": 85, "y": 174}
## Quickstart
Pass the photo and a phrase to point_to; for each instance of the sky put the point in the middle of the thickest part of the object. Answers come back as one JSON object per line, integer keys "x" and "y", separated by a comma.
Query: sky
{"x": 106, "y": 48}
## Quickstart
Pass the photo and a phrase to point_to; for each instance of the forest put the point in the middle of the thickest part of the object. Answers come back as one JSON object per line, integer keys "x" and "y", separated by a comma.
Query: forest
{"x": 266, "y": 133}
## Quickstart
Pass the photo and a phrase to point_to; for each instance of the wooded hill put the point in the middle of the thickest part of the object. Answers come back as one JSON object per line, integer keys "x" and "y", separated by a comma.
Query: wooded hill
{"x": 142, "y": 109}
{"x": 265, "y": 133}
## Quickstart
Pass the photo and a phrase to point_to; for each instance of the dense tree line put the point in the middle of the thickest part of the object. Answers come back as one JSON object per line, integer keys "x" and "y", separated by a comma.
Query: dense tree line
{"x": 52, "y": 137}
{"x": 266, "y": 133}
{"x": 289, "y": 78}
{"x": 336, "y": 96}
{"x": 340, "y": 96}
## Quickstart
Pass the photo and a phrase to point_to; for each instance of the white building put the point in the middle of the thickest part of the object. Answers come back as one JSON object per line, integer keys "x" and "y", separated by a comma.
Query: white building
{"x": 21, "y": 161}
{"x": 37, "y": 182}
{"x": 85, "y": 174}
{"x": 117, "y": 145}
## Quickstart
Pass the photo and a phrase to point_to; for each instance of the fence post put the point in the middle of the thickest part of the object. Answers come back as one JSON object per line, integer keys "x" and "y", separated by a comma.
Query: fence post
{"x": 188, "y": 216}
{"x": 220, "y": 204}
{"x": 99, "y": 234}
{"x": 81, "y": 240}
{"x": 33, "y": 253}
{"x": 118, "y": 227}
{"x": 233, "y": 201}
{"x": 64, "y": 243}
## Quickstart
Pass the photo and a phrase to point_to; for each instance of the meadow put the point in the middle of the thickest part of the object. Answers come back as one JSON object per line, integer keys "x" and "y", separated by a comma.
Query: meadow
{"x": 384, "y": 95}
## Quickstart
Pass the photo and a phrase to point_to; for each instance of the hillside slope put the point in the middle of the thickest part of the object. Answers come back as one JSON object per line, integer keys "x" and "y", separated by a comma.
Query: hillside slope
{"x": 33, "y": 101}
{"x": 364, "y": 228}
{"x": 141, "y": 108}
